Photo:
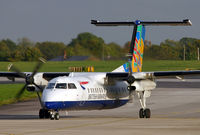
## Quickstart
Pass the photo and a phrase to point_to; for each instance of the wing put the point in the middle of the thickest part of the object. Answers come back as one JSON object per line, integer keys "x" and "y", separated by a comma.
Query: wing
{"x": 149, "y": 75}
{"x": 10, "y": 74}
{"x": 46, "y": 75}
{"x": 170, "y": 74}
{"x": 50, "y": 75}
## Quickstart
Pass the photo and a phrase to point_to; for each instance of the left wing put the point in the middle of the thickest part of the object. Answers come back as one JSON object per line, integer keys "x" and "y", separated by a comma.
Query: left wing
{"x": 169, "y": 74}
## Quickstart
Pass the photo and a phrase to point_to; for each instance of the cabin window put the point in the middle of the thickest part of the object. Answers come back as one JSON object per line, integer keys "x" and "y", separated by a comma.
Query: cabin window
{"x": 61, "y": 86}
{"x": 50, "y": 86}
{"x": 71, "y": 86}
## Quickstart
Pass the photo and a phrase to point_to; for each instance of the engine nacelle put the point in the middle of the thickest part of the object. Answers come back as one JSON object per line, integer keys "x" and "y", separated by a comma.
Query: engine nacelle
{"x": 32, "y": 88}
{"x": 39, "y": 80}
{"x": 143, "y": 85}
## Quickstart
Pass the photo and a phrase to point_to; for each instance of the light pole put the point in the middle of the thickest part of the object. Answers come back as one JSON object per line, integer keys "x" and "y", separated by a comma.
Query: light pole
{"x": 184, "y": 52}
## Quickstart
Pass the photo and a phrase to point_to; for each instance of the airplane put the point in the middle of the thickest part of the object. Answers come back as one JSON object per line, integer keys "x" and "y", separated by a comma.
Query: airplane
{"x": 98, "y": 90}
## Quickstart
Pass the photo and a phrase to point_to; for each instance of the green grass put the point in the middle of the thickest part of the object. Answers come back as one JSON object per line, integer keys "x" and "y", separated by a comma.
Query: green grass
{"x": 100, "y": 66}
{"x": 8, "y": 91}
{"x": 103, "y": 66}
{"x": 170, "y": 65}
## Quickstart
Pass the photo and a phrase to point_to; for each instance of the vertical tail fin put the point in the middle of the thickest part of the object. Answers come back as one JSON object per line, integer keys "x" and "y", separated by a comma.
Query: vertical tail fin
{"x": 138, "y": 37}
{"x": 138, "y": 49}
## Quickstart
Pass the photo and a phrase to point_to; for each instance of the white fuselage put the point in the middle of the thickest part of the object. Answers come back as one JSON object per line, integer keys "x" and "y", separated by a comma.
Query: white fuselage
{"x": 84, "y": 92}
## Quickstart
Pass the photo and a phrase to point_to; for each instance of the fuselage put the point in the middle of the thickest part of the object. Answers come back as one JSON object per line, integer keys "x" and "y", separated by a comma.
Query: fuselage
{"x": 84, "y": 92}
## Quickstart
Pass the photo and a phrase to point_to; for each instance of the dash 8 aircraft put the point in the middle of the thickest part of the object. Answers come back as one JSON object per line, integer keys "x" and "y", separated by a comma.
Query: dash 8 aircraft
{"x": 98, "y": 90}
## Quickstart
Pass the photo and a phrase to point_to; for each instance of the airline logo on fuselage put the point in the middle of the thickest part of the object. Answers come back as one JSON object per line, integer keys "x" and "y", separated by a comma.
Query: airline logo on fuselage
{"x": 83, "y": 83}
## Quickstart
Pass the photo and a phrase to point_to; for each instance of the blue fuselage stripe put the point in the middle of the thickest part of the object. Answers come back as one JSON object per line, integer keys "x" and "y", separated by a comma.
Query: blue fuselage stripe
{"x": 85, "y": 105}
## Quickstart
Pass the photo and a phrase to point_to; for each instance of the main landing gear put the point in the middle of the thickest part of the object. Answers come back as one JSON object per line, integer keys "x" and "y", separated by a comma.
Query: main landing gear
{"x": 144, "y": 112}
{"x": 46, "y": 114}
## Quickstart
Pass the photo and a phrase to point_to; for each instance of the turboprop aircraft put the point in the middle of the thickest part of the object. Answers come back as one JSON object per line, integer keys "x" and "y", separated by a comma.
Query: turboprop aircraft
{"x": 98, "y": 90}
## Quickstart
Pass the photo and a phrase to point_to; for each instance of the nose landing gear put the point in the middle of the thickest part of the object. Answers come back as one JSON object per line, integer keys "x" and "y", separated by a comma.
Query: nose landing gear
{"x": 54, "y": 115}
{"x": 45, "y": 114}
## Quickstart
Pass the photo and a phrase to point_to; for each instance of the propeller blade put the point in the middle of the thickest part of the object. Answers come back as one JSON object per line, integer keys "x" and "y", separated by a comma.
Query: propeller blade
{"x": 131, "y": 96}
{"x": 38, "y": 66}
{"x": 130, "y": 80}
{"x": 15, "y": 69}
{"x": 129, "y": 68}
{"x": 38, "y": 86}
{"x": 39, "y": 98}
{"x": 21, "y": 92}
{"x": 38, "y": 94}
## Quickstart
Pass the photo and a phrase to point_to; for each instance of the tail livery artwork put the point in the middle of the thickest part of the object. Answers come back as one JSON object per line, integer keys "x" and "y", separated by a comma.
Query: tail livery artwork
{"x": 136, "y": 53}
{"x": 138, "y": 49}
{"x": 98, "y": 90}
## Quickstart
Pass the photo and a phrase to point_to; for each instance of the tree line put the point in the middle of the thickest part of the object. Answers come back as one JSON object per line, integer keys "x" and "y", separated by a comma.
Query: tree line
{"x": 88, "y": 44}
{"x": 185, "y": 48}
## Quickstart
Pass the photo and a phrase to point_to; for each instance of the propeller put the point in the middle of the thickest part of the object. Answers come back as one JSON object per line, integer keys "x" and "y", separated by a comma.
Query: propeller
{"x": 29, "y": 78}
{"x": 130, "y": 80}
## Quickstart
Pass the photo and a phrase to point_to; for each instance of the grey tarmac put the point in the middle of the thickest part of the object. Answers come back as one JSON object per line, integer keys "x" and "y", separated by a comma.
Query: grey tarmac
{"x": 175, "y": 107}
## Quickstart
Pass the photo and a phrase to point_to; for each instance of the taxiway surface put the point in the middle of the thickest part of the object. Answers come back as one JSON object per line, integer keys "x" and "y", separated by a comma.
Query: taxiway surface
{"x": 175, "y": 107}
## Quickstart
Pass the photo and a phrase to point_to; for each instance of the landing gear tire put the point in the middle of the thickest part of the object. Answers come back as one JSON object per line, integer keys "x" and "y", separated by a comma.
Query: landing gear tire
{"x": 141, "y": 113}
{"x": 54, "y": 116}
{"x": 47, "y": 114}
{"x": 145, "y": 113}
{"x": 57, "y": 116}
{"x": 42, "y": 113}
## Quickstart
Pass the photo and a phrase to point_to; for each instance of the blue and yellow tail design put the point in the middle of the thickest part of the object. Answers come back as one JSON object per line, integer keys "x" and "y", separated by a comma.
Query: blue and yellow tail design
{"x": 136, "y": 50}
{"x": 137, "y": 56}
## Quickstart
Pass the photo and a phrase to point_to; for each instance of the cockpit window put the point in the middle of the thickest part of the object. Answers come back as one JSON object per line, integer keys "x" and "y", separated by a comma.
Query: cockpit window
{"x": 50, "y": 86}
{"x": 61, "y": 85}
{"x": 71, "y": 86}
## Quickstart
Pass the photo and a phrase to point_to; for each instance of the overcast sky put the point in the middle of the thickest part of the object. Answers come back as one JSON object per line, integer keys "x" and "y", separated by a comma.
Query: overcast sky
{"x": 63, "y": 20}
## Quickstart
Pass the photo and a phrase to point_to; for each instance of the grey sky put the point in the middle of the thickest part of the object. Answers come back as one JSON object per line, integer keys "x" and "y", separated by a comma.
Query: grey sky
{"x": 62, "y": 20}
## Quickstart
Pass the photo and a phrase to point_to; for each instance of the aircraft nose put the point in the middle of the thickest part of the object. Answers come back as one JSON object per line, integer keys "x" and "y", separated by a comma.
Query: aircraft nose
{"x": 51, "y": 100}
{"x": 53, "y": 105}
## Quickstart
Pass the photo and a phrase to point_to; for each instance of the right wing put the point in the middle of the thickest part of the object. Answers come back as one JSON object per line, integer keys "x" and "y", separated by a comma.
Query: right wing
{"x": 46, "y": 75}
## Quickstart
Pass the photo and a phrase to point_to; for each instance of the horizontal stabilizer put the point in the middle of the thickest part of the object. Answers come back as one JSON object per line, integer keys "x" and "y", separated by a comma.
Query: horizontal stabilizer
{"x": 186, "y": 22}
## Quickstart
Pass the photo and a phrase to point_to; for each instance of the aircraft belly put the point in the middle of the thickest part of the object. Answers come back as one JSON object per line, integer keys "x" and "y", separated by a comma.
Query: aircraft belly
{"x": 85, "y": 105}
